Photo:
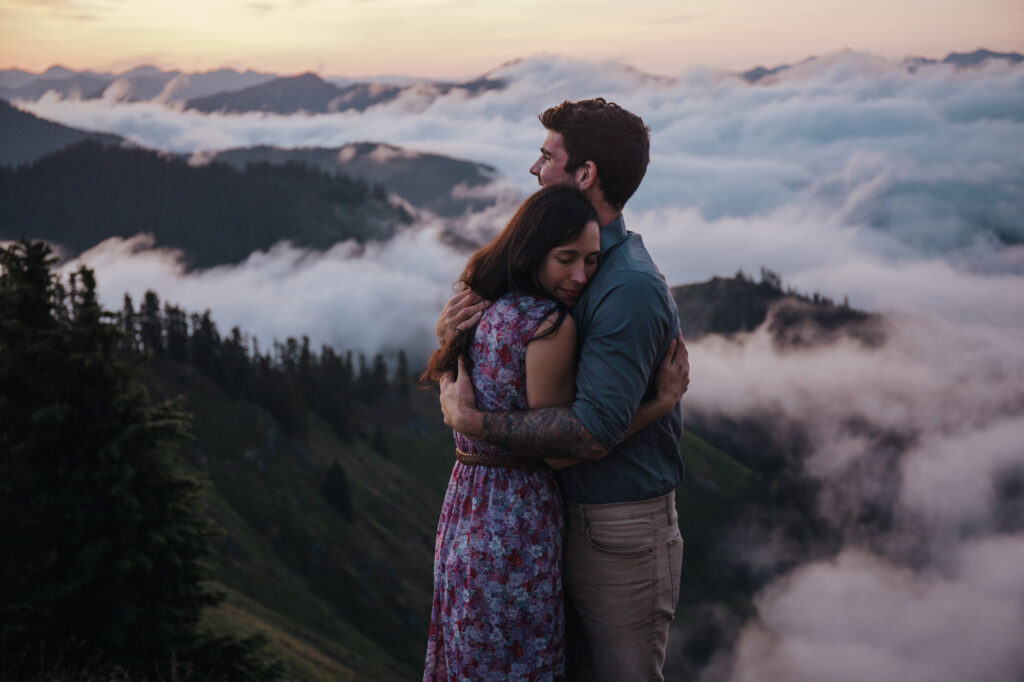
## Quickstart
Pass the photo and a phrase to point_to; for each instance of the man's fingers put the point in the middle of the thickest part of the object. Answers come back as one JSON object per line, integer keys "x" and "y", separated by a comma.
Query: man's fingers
{"x": 468, "y": 324}
{"x": 680, "y": 346}
{"x": 470, "y": 315}
{"x": 457, "y": 303}
{"x": 670, "y": 354}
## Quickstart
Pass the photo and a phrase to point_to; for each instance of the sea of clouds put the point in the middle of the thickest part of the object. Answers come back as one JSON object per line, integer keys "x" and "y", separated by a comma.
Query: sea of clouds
{"x": 847, "y": 174}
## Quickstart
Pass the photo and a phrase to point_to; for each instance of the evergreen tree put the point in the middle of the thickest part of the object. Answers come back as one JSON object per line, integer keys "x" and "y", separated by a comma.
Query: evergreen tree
{"x": 402, "y": 377}
{"x": 151, "y": 324}
{"x": 335, "y": 489}
{"x": 102, "y": 538}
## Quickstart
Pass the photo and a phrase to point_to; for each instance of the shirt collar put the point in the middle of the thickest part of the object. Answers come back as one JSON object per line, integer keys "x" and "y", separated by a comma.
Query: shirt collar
{"x": 612, "y": 233}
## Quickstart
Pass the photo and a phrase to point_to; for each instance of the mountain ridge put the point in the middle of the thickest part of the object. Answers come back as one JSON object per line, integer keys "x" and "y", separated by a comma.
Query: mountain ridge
{"x": 354, "y": 93}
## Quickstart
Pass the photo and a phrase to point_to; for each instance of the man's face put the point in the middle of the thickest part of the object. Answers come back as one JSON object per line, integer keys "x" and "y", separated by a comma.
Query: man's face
{"x": 550, "y": 167}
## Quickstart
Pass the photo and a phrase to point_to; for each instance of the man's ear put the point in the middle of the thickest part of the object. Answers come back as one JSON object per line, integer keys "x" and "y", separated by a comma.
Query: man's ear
{"x": 586, "y": 176}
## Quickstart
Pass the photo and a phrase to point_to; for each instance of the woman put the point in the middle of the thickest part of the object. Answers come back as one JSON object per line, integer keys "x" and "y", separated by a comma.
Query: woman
{"x": 497, "y": 610}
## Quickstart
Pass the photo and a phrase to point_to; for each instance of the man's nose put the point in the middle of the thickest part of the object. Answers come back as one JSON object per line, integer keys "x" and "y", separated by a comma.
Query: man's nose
{"x": 535, "y": 168}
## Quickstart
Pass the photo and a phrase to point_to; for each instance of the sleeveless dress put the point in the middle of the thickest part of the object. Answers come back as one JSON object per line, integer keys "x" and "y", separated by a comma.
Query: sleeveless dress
{"x": 497, "y": 610}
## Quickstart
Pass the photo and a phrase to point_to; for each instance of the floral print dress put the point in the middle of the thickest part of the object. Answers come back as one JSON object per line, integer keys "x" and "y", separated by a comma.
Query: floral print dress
{"x": 497, "y": 609}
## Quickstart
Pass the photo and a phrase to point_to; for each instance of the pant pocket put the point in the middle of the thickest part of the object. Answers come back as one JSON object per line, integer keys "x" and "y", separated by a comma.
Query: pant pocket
{"x": 617, "y": 538}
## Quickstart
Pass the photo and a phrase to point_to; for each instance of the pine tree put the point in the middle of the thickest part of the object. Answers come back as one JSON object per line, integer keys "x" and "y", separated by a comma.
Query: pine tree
{"x": 103, "y": 542}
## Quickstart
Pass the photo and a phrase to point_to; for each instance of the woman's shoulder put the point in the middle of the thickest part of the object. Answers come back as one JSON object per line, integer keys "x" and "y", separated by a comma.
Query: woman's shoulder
{"x": 522, "y": 310}
{"x": 530, "y": 304}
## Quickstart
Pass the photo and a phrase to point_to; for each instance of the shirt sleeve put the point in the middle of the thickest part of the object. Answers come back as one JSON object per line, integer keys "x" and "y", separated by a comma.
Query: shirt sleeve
{"x": 620, "y": 351}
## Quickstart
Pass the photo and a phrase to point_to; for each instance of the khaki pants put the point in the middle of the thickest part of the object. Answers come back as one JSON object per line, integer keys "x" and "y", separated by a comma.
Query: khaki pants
{"x": 621, "y": 579}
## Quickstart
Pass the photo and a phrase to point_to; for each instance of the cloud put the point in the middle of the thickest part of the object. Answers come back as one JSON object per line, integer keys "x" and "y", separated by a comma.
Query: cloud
{"x": 858, "y": 618}
{"x": 923, "y": 431}
{"x": 370, "y": 298}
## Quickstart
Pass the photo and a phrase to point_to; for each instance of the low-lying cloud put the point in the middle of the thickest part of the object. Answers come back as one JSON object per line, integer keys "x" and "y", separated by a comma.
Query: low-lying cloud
{"x": 923, "y": 431}
{"x": 365, "y": 298}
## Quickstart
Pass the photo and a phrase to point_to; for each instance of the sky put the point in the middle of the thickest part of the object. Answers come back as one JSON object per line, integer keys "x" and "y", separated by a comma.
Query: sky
{"x": 464, "y": 38}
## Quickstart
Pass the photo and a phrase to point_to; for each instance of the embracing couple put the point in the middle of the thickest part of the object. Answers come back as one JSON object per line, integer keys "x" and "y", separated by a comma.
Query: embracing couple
{"x": 558, "y": 551}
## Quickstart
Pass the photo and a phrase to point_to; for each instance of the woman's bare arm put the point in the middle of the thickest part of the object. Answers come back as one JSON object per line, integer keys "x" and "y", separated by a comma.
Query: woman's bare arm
{"x": 551, "y": 370}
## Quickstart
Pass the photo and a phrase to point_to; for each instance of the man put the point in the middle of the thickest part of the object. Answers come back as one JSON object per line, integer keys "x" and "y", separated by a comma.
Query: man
{"x": 623, "y": 551}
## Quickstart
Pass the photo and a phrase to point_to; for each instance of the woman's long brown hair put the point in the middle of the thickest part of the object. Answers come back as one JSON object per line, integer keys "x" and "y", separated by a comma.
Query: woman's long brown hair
{"x": 511, "y": 262}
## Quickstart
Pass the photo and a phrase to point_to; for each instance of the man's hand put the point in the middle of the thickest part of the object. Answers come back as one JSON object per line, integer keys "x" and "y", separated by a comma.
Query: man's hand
{"x": 673, "y": 374}
{"x": 461, "y": 312}
{"x": 458, "y": 401}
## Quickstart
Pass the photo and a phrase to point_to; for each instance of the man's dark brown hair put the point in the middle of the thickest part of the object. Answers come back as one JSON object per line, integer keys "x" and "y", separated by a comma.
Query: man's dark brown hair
{"x": 616, "y": 141}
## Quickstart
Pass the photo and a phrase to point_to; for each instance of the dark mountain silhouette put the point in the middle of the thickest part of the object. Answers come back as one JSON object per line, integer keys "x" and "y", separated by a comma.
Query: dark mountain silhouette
{"x": 15, "y": 78}
{"x": 25, "y": 137}
{"x": 215, "y": 214}
{"x": 186, "y": 86}
{"x": 135, "y": 88}
{"x": 310, "y": 93}
{"x": 306, "y": 92}
{"x": 911, "y": 63}
{"x": 759, "y": 72}
{"x": 734, "y": 305}
{"x": 424, "y": 180}
{"x": 78, "y": 85}
{"x": 59, "y": 72}
{"x": 979, "y": 56}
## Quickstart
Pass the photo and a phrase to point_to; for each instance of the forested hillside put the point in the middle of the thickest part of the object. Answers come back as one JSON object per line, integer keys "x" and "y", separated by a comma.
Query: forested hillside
{"x": 216, "y": 214}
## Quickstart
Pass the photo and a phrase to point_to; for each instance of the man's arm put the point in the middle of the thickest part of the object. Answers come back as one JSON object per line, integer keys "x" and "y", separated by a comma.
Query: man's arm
{"x": 548, "y": 432}
{"x": 555, "y": 432}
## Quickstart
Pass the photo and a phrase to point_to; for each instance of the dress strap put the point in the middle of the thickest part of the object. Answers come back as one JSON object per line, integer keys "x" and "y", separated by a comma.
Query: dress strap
{"x": 508, "y": 461}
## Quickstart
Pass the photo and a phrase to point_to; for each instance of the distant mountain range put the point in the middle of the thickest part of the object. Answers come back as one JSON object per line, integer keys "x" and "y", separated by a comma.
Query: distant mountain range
{"x": 426, "y": 181}
{"x": 231, "y": 91}
{"x": 143, "y": 83}
{"x": 961, "y": 60}
{"x": 311, "y": 94}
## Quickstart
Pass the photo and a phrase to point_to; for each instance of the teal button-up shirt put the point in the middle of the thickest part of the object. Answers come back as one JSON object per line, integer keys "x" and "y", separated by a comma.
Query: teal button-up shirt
{"x": 626, "y": 319}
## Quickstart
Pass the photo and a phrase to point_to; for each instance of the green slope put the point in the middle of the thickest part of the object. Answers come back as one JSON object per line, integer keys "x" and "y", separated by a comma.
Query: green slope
{"x": 338, "y": 598}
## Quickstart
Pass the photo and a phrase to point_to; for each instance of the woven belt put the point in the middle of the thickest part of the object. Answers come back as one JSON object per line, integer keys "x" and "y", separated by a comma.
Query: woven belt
{"x": 509, "y": 461}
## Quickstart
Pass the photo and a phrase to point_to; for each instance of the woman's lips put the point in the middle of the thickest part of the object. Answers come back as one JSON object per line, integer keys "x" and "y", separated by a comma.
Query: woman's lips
{"x": 570, "y": 293}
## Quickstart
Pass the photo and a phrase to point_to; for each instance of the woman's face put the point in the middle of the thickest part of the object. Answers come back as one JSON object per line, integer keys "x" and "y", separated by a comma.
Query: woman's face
{"x": 567, "y": 268}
